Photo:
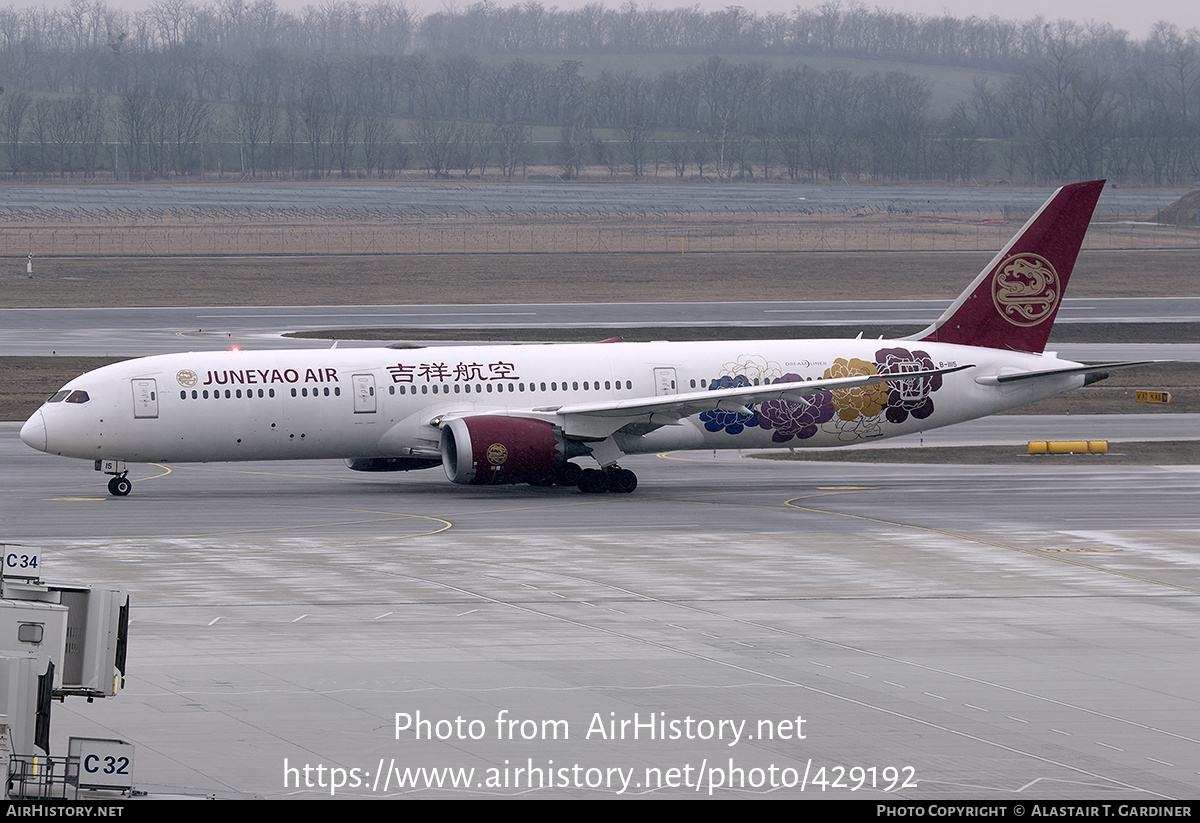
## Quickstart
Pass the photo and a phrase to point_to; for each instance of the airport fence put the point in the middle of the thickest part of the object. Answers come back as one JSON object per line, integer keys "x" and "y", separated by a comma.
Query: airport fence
{"x": 475, "y": 238}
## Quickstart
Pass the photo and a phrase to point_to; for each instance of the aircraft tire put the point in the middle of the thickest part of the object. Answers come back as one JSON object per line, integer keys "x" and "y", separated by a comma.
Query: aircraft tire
{"x": 593, "y": 481}
{"x": 568, "y": 474}
{"x": 622, "y": 481}
{"x": 119, "y": 486}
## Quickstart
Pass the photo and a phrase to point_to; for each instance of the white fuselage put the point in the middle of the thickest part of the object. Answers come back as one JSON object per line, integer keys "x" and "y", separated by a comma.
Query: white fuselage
{"x": 355, "y": 403}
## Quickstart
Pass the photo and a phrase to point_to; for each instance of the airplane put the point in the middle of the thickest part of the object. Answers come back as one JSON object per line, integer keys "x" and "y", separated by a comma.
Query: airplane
{"x": 525, "y": 413}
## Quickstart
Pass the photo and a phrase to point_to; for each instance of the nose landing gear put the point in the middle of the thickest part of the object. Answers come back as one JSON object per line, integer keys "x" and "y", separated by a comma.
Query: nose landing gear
{"x": 120, "y": 486}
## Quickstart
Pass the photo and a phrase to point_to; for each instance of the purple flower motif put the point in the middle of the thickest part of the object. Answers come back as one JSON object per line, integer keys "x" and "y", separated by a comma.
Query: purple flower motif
{"x": 908, "y": 396}
{"x": 732, "y": 422}
{"x": 795, "y": 419}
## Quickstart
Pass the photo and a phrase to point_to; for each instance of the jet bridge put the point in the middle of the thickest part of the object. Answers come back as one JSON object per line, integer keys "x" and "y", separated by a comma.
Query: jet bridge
{"x": 56, "y": 641}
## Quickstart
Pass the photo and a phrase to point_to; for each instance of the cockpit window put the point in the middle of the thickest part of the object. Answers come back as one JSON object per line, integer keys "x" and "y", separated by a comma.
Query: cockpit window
{"x": 77, "y": 396}
{"x": 58, "y": 396}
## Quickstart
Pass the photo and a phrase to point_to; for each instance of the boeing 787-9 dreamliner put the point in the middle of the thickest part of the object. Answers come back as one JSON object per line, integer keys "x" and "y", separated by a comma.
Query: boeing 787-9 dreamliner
{"x": 525, "y": 414}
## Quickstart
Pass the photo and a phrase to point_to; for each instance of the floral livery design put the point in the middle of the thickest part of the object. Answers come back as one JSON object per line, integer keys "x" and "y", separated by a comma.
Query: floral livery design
{"x": 851, "y": 414}
{"x": 858, "y": 410}
{"x": 732, "y": 422}
{"x": 791, "y": 419}
{"x": 907, "y": 397}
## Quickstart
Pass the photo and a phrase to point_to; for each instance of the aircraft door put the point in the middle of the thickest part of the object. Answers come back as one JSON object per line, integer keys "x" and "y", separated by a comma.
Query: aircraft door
{"x": 364, "y": 393}
{"x": 664, "y": 382}
{"x": 145, "y": 398}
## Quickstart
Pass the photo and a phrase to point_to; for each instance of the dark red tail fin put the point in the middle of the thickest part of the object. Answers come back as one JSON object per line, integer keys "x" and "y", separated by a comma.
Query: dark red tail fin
{"x": 1014, "y": 300}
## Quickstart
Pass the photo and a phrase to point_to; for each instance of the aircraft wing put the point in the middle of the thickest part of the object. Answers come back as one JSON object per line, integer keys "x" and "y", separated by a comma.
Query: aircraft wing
{"x": 598, "y": 419}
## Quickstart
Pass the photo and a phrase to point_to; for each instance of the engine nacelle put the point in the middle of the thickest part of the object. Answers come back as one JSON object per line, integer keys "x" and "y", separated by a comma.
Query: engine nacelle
{"x": 491, "y": 449}
{"x": 391, "y": 464}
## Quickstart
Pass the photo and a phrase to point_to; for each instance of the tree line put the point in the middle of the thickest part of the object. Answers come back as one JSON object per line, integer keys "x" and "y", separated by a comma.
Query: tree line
{"x": 362, "y": 90}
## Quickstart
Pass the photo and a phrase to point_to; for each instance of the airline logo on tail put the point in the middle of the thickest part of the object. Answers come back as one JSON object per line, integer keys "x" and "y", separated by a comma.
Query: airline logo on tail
{"x": 1025, "y": 289}
{"x": 1014, "y": 300}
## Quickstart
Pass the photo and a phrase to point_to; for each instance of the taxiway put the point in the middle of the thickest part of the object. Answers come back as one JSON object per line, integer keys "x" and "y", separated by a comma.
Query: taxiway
{"x": 992, "y": 632}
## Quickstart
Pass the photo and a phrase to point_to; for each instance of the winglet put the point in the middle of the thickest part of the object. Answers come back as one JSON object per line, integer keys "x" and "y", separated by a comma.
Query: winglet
{"x": 1014, "y": 300}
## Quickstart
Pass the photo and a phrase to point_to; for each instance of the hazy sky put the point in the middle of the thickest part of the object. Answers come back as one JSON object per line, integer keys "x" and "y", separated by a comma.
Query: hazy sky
{"x": 1122, "y": 14}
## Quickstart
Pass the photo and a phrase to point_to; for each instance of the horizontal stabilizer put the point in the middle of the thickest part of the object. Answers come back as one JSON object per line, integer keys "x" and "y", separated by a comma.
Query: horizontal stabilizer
{"x": 1001, "y": 379}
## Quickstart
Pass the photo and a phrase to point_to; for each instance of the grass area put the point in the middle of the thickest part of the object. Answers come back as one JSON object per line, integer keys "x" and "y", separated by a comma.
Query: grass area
{"x": 552, "y": 278}
{"x": 26, "y": 382}
{"x": 1151, "y": 452}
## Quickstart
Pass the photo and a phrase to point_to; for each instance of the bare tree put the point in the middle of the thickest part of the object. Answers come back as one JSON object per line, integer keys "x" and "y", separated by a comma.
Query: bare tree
{"x": 316, "y": 121}
{"x": 343, "y": 136}
{"x": 188, "y": 120}
{"x": 512, "y": 143}
{"x": 377, "y": 133}
{"x": 133, "y": 128}
{"x": 91, "y": 112}
{"x": 13, "y": 107}
{"x": 64, "y": 134}
{"x": 438, "y": 141}
{"x": 250, "y": 122}
{"x": 572, "y": 146}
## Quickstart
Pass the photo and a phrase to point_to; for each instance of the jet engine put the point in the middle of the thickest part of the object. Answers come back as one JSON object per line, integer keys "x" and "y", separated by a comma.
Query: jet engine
{"x": 492, "y": 449}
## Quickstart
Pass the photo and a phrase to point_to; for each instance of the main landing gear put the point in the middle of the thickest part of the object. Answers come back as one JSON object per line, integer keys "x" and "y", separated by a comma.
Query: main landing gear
{"x": 613, "y": 479}
{"x": 591, "y": 481}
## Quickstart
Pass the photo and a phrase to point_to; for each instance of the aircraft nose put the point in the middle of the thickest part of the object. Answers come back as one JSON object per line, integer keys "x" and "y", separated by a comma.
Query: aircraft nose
{"x": 33, "y": 433}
